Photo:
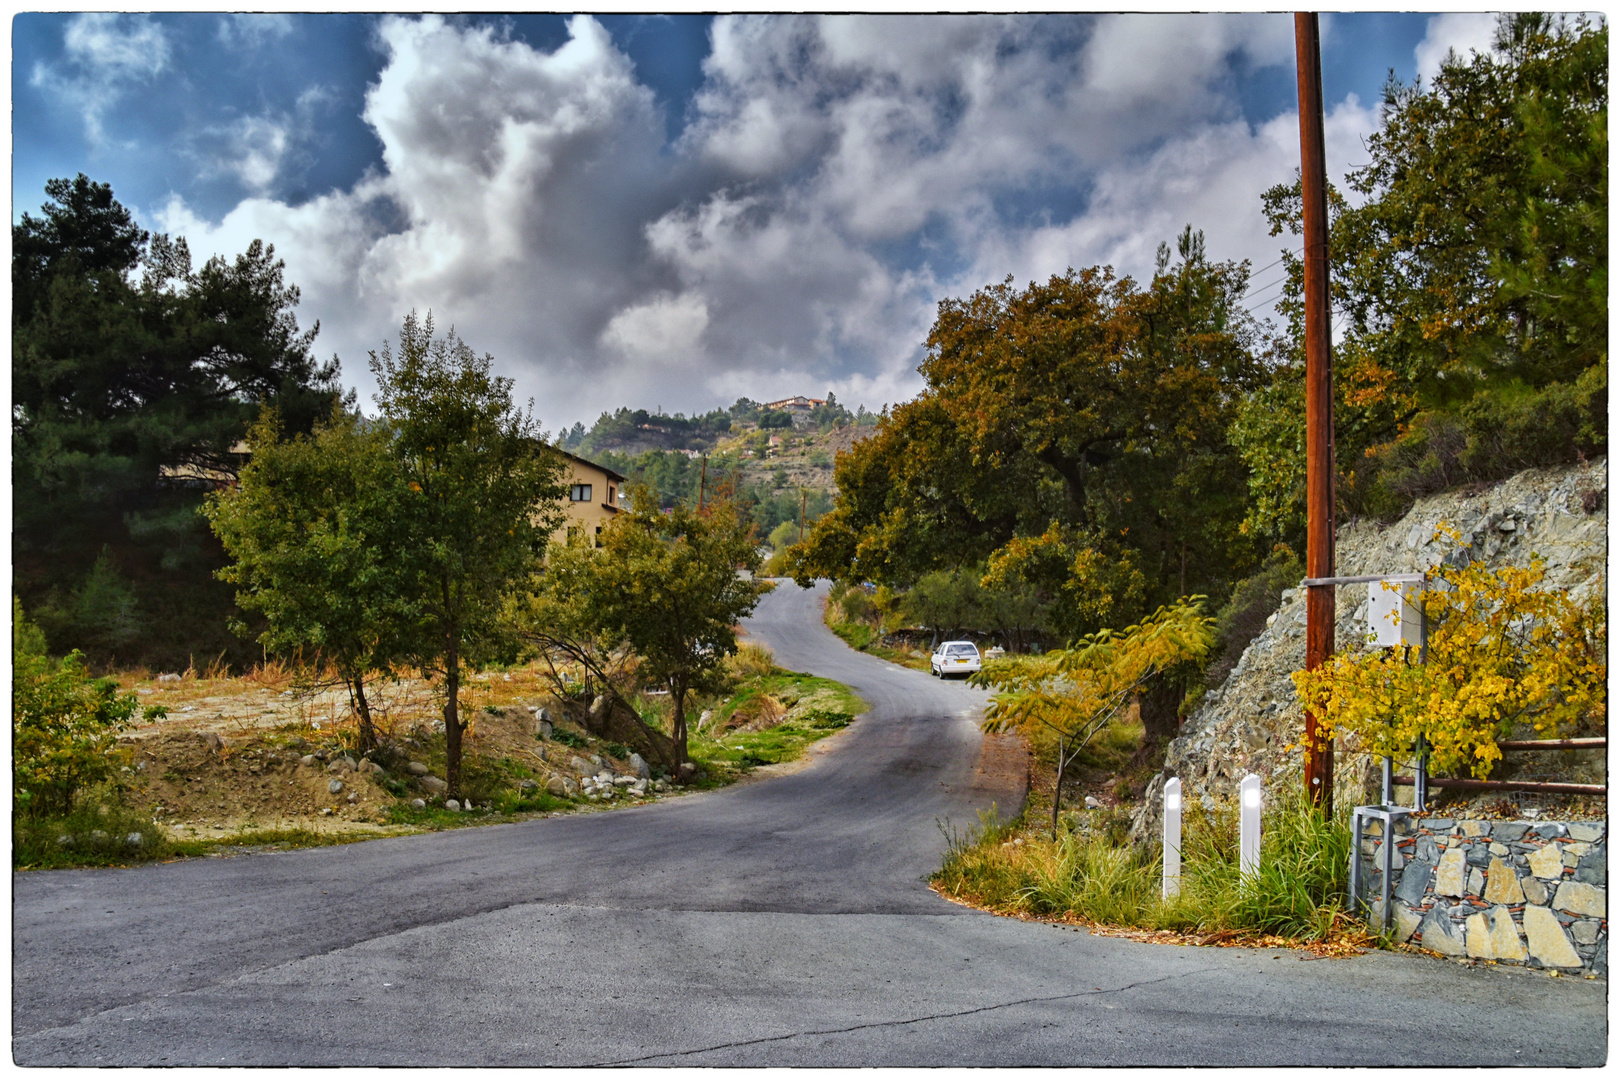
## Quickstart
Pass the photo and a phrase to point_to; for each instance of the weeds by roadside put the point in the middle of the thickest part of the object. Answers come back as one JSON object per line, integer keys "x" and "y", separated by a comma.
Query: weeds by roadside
{"x": 1089, "y": 876}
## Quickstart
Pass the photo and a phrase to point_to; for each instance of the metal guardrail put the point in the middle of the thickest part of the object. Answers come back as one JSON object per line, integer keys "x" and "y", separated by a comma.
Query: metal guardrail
{"x": 1547, "y": 786}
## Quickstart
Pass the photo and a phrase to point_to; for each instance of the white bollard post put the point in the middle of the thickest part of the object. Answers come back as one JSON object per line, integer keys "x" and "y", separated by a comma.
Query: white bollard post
{"x": 1249, "y": 825}
{"x": 1172, "y": 837}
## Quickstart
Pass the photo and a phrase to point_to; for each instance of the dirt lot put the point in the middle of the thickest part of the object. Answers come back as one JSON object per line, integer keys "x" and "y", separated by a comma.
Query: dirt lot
{"x": 239, "y": 754}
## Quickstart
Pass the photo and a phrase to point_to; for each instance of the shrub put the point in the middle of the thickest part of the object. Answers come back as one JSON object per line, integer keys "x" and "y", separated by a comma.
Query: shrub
{"x": 1501, "y": 651}
{"x": 64, "y": 724}
{"x": 94, "y": 834}
{"x": 1241, "y": 619}
{"x": 1493, "y": 436}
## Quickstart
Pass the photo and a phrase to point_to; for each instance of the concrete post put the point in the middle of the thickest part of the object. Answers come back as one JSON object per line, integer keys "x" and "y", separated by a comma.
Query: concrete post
{"x": 1249, "y": 825}
{"x": 1172, "y": 837}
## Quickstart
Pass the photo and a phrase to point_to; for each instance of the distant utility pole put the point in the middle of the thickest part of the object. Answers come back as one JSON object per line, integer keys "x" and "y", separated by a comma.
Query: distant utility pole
{"x": 703, "y": 479}
{"x": 1319, "y": 466}
{"x": 801, "y": 515}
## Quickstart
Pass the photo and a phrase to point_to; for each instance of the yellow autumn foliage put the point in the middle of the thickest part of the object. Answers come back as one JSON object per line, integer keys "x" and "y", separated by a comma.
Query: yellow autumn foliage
{"x": 1073, "y": 693}
{"x": 1502, "y": 649}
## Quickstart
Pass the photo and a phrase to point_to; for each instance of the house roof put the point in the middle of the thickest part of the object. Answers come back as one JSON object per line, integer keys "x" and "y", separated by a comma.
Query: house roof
{"x": 582, "y": 461}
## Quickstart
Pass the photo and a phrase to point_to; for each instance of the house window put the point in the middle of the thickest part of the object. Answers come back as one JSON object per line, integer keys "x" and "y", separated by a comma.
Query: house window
{"x": 599, "y": 536}
{"x": 611, "y": 494}
{"x": 580, "y": 493}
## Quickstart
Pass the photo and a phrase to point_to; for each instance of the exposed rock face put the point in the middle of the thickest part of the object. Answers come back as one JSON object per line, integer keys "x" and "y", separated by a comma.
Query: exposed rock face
{"x": 1253, "y": 722}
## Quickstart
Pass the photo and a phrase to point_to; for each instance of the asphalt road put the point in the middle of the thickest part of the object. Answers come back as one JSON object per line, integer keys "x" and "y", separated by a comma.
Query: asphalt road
{"x": 783, "y": 922}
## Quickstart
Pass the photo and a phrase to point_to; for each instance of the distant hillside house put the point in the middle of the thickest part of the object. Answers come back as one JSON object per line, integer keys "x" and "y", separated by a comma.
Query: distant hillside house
{"x": 593, "y": 498}
{"x": 799, "y": 404}
{"x": 799, "y": 408}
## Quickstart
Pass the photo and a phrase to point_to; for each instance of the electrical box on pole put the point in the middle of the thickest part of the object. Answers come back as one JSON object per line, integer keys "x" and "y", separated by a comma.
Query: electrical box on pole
{"x": 1394, "y": 612}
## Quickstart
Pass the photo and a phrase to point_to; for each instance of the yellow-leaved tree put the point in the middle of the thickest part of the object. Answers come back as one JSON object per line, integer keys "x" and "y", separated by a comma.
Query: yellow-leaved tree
{"x": 1502, "y": 649}
{"x": 1070, "y": 695}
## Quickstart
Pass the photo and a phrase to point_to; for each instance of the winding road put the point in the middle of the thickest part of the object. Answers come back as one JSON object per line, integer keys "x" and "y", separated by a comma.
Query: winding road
{"x": 785, "y": 921}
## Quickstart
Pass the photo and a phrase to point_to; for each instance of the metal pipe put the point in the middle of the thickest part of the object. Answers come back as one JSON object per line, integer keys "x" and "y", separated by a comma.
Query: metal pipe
{"x": 1319, "y": 467}
{"x": 1599, "y": 743}
{"x": 1510, "y": 785}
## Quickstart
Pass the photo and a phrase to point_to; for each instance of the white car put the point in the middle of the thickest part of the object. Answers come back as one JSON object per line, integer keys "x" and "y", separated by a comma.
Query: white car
{"x": 954, "y": 658}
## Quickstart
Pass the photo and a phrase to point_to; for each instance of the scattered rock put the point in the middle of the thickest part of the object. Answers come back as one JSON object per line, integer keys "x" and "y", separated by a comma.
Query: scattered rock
{"x": 168, "y": 676}
{"x": 1093, "y": 803}
{"x": 354, "y": 796}
{"x": 557, "y": 786}
{"x": 528, "y": 786}
{"x": 419, "y": 804}
{"x": 309, "y": 759}
{"x": 543, "y": 729}
{"x": 639, "y": 765}
{"x": 326, "y": 811}
{"x": 97, "y": 836}
{"x": 134, "y": 839}
{"x": 416, "y": 768}
{"x": 335, "y": 786}
{"x": 581, "y": 766}
{"x": 433, "y": 784}
{"x": 65, "y": 840}
{"x": 623, "y": 781}
{"x": 452, "y": 804}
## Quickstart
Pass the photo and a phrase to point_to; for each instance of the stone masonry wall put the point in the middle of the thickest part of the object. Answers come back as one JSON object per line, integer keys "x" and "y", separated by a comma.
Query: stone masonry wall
{"x": 1253, "y": 722}
{"x": 1520, "y": 892}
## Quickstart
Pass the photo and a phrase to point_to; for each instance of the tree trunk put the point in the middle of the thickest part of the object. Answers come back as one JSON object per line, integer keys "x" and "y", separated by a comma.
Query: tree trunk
{"x": 452, "y": 718}
{"x": 677, "y": 698}
{"x": 362, "y": 709}
{"x": 1158, "y": 704}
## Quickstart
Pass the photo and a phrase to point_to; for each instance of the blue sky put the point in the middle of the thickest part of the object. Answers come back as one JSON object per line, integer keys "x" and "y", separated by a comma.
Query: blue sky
{"x": 675, "y": 210}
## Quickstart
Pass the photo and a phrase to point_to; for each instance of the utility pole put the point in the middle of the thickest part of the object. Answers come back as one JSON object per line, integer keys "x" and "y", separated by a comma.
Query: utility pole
{"x": 703, "y": 478}
{"x": 801, "y": 515}
{"x": 1319, "y": 465}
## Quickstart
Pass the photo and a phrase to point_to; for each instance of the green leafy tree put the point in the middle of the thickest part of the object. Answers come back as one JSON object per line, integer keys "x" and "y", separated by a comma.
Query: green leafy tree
{"x": 64, "y": 724}
{"x": 134, "y": 376}
{"x": 944, "y": 600}
{"x": 481, "y": 496}
{"x": 1082, "y": 422}
{"x": 314, "y": 538}
{"x": 667, "y": 586}
{"x": 1472, "y": 277}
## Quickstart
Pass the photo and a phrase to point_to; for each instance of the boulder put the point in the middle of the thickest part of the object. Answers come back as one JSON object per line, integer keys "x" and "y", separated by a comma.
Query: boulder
{"x": 419, "y": 804}
{"x": 335, "y": 786}
{"x": 310, "y": 760}
{"x": 639, "y": 765}
{"x": 528, "y": 786}
{"x": 433, "y": 784}
{"x": 581, "y": 766}
{"x": 452, "y": 804}
{"x": 416, "y": 768}
{"x": 557, "y": 786}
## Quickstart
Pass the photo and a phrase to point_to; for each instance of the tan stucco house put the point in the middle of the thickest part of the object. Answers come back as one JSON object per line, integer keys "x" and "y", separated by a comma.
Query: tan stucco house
{"x": 593, "y": 497}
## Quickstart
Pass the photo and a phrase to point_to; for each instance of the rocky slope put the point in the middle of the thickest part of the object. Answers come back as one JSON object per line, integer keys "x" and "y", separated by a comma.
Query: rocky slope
{"x": 1253, "y": 721}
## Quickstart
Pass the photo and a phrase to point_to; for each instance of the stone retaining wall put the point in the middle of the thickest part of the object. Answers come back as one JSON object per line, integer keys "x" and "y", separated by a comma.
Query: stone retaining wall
{"x": 1524, "y": 892}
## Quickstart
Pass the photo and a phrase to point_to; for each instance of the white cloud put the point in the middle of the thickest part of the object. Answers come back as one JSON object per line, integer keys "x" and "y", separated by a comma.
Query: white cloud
{"x": 103, "y": 54}
{"x": 838, "y": 176}
{"x": 1459, "y": 32}
{"x": 255, "y": 30}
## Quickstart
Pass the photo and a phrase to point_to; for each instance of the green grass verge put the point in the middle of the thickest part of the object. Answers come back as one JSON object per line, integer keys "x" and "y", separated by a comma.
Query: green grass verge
{"x": 816, "y": 708}
{"x": 1298, "y": 892}
{"x": 862, "y": 638}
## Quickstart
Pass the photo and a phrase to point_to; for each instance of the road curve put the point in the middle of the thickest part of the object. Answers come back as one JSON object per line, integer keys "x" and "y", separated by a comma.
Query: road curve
{"x": 784, "y": 921}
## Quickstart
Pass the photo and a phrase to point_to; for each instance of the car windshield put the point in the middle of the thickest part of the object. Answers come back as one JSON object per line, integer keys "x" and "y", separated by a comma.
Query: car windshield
{"x": 961, "y": 650}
